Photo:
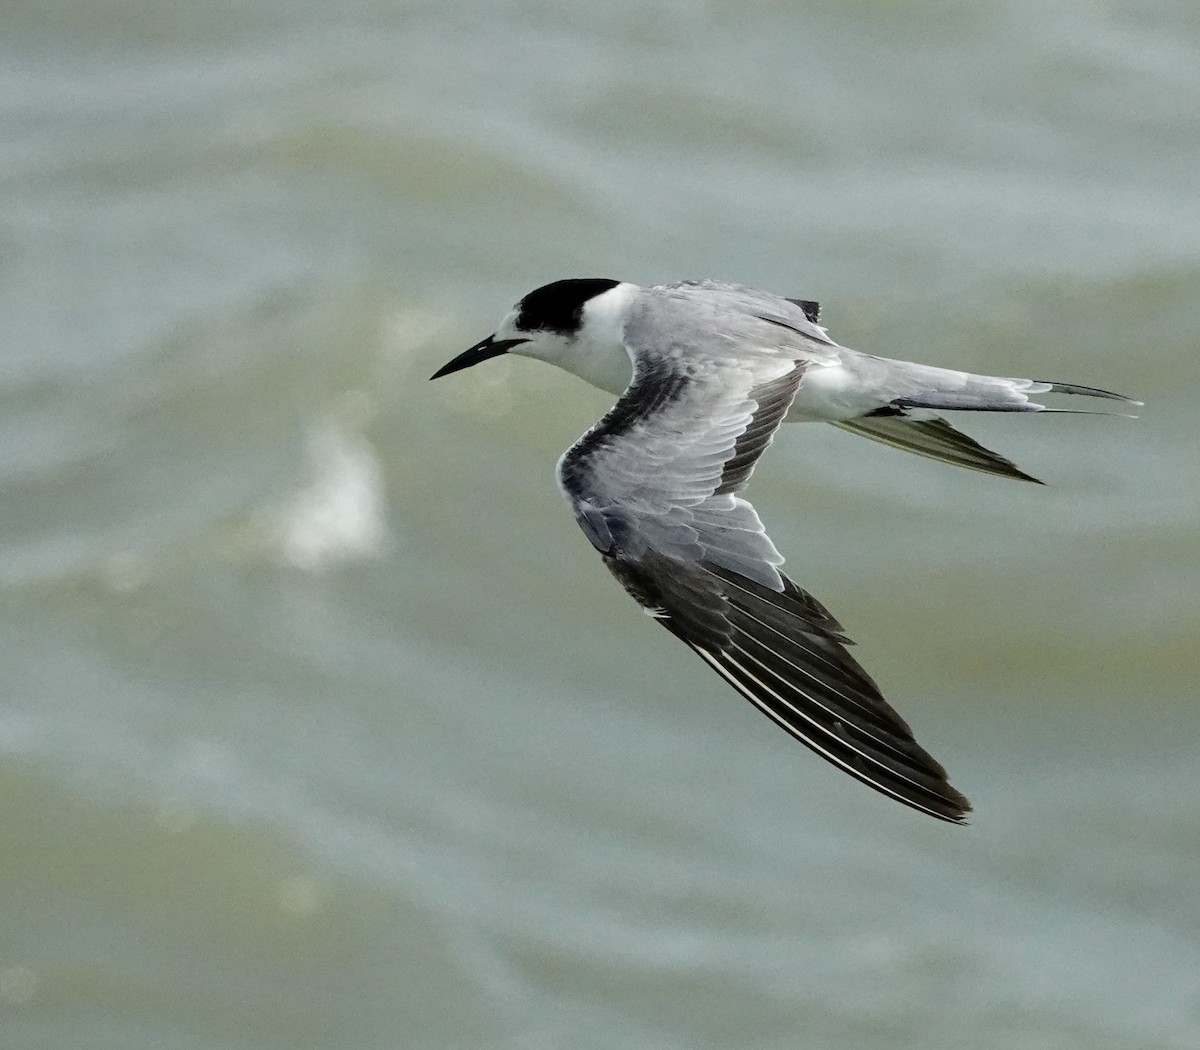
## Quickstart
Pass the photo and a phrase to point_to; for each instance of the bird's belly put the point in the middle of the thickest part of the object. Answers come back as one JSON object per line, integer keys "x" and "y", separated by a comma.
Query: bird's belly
{"x": 830, "y": 394}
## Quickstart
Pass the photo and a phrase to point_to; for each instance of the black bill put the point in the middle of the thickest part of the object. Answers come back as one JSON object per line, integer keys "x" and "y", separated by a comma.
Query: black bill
{"x": 481, "y": 351}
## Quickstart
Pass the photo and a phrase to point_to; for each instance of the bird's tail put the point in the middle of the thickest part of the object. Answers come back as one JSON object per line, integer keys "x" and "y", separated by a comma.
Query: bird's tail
{"x": 905, "y": 421}
{"x": 926, "y": 387}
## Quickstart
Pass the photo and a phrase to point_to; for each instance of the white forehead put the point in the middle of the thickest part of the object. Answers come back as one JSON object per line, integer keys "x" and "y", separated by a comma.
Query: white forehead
{"x": 508, "y": 323}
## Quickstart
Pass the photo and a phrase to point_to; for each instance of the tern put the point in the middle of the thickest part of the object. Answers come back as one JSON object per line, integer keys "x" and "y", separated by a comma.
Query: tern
{"x": 706, "y": 372}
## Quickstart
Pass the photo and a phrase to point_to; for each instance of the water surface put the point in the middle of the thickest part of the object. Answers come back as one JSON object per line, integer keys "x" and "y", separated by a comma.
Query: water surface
{"x": 324, "y": 726}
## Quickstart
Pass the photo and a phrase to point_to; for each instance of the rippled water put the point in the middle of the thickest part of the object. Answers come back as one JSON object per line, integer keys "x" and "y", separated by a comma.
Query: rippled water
{"x": 325, "y": 727}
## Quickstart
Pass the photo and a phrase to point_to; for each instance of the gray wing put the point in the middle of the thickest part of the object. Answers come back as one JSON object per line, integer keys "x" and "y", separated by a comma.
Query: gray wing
{"x": 736, "y": 306}
{"x": 659, "y": 473}
{"x": 653, "y": 485}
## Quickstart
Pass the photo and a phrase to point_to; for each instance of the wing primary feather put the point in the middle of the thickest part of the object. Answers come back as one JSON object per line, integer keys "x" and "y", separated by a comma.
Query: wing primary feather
{"x": 936, "y": 439}
{"x": 826, "y": 662}
{"x": 830, "y": 734}
{"x": 951, "y": 808}
{"x": 823, "y": 645}
{"x": 859, "y": 705}
{"x": 904, "y": 758}
{"x": 778, "y": 655}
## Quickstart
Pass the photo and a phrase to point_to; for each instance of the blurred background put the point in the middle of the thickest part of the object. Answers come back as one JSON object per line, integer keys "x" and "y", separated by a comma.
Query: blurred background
{"x": 323, "y": 726}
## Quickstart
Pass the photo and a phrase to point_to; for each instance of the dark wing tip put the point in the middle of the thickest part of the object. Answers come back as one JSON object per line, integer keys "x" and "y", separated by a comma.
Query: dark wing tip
{"x": 935, "y": 439}
{"x": 811, "y": 308}
{"x": 787, "y": 656}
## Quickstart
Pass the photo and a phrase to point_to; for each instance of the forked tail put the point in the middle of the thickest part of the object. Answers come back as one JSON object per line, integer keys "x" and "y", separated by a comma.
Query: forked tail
{"x": 932, "y": 436}
{"x": 964, "y": 392}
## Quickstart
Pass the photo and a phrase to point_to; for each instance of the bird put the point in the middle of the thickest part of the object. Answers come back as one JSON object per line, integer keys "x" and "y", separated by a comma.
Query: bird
{"x": 706, "y": 373}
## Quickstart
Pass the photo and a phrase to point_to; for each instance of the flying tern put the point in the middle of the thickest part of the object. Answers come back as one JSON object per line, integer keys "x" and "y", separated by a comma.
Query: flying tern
{"x": 706, "y": 372}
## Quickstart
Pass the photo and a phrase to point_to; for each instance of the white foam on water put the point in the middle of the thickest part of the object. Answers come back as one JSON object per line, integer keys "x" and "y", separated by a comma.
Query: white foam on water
{"x": 340, "y": 515}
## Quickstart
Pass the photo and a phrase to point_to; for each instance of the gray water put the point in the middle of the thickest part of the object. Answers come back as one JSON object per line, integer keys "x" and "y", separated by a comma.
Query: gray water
{"x": 325, "y": 727}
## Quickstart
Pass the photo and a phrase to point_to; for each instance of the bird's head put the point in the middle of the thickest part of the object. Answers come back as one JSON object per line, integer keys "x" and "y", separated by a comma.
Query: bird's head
{"x": 576, "y": 324}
